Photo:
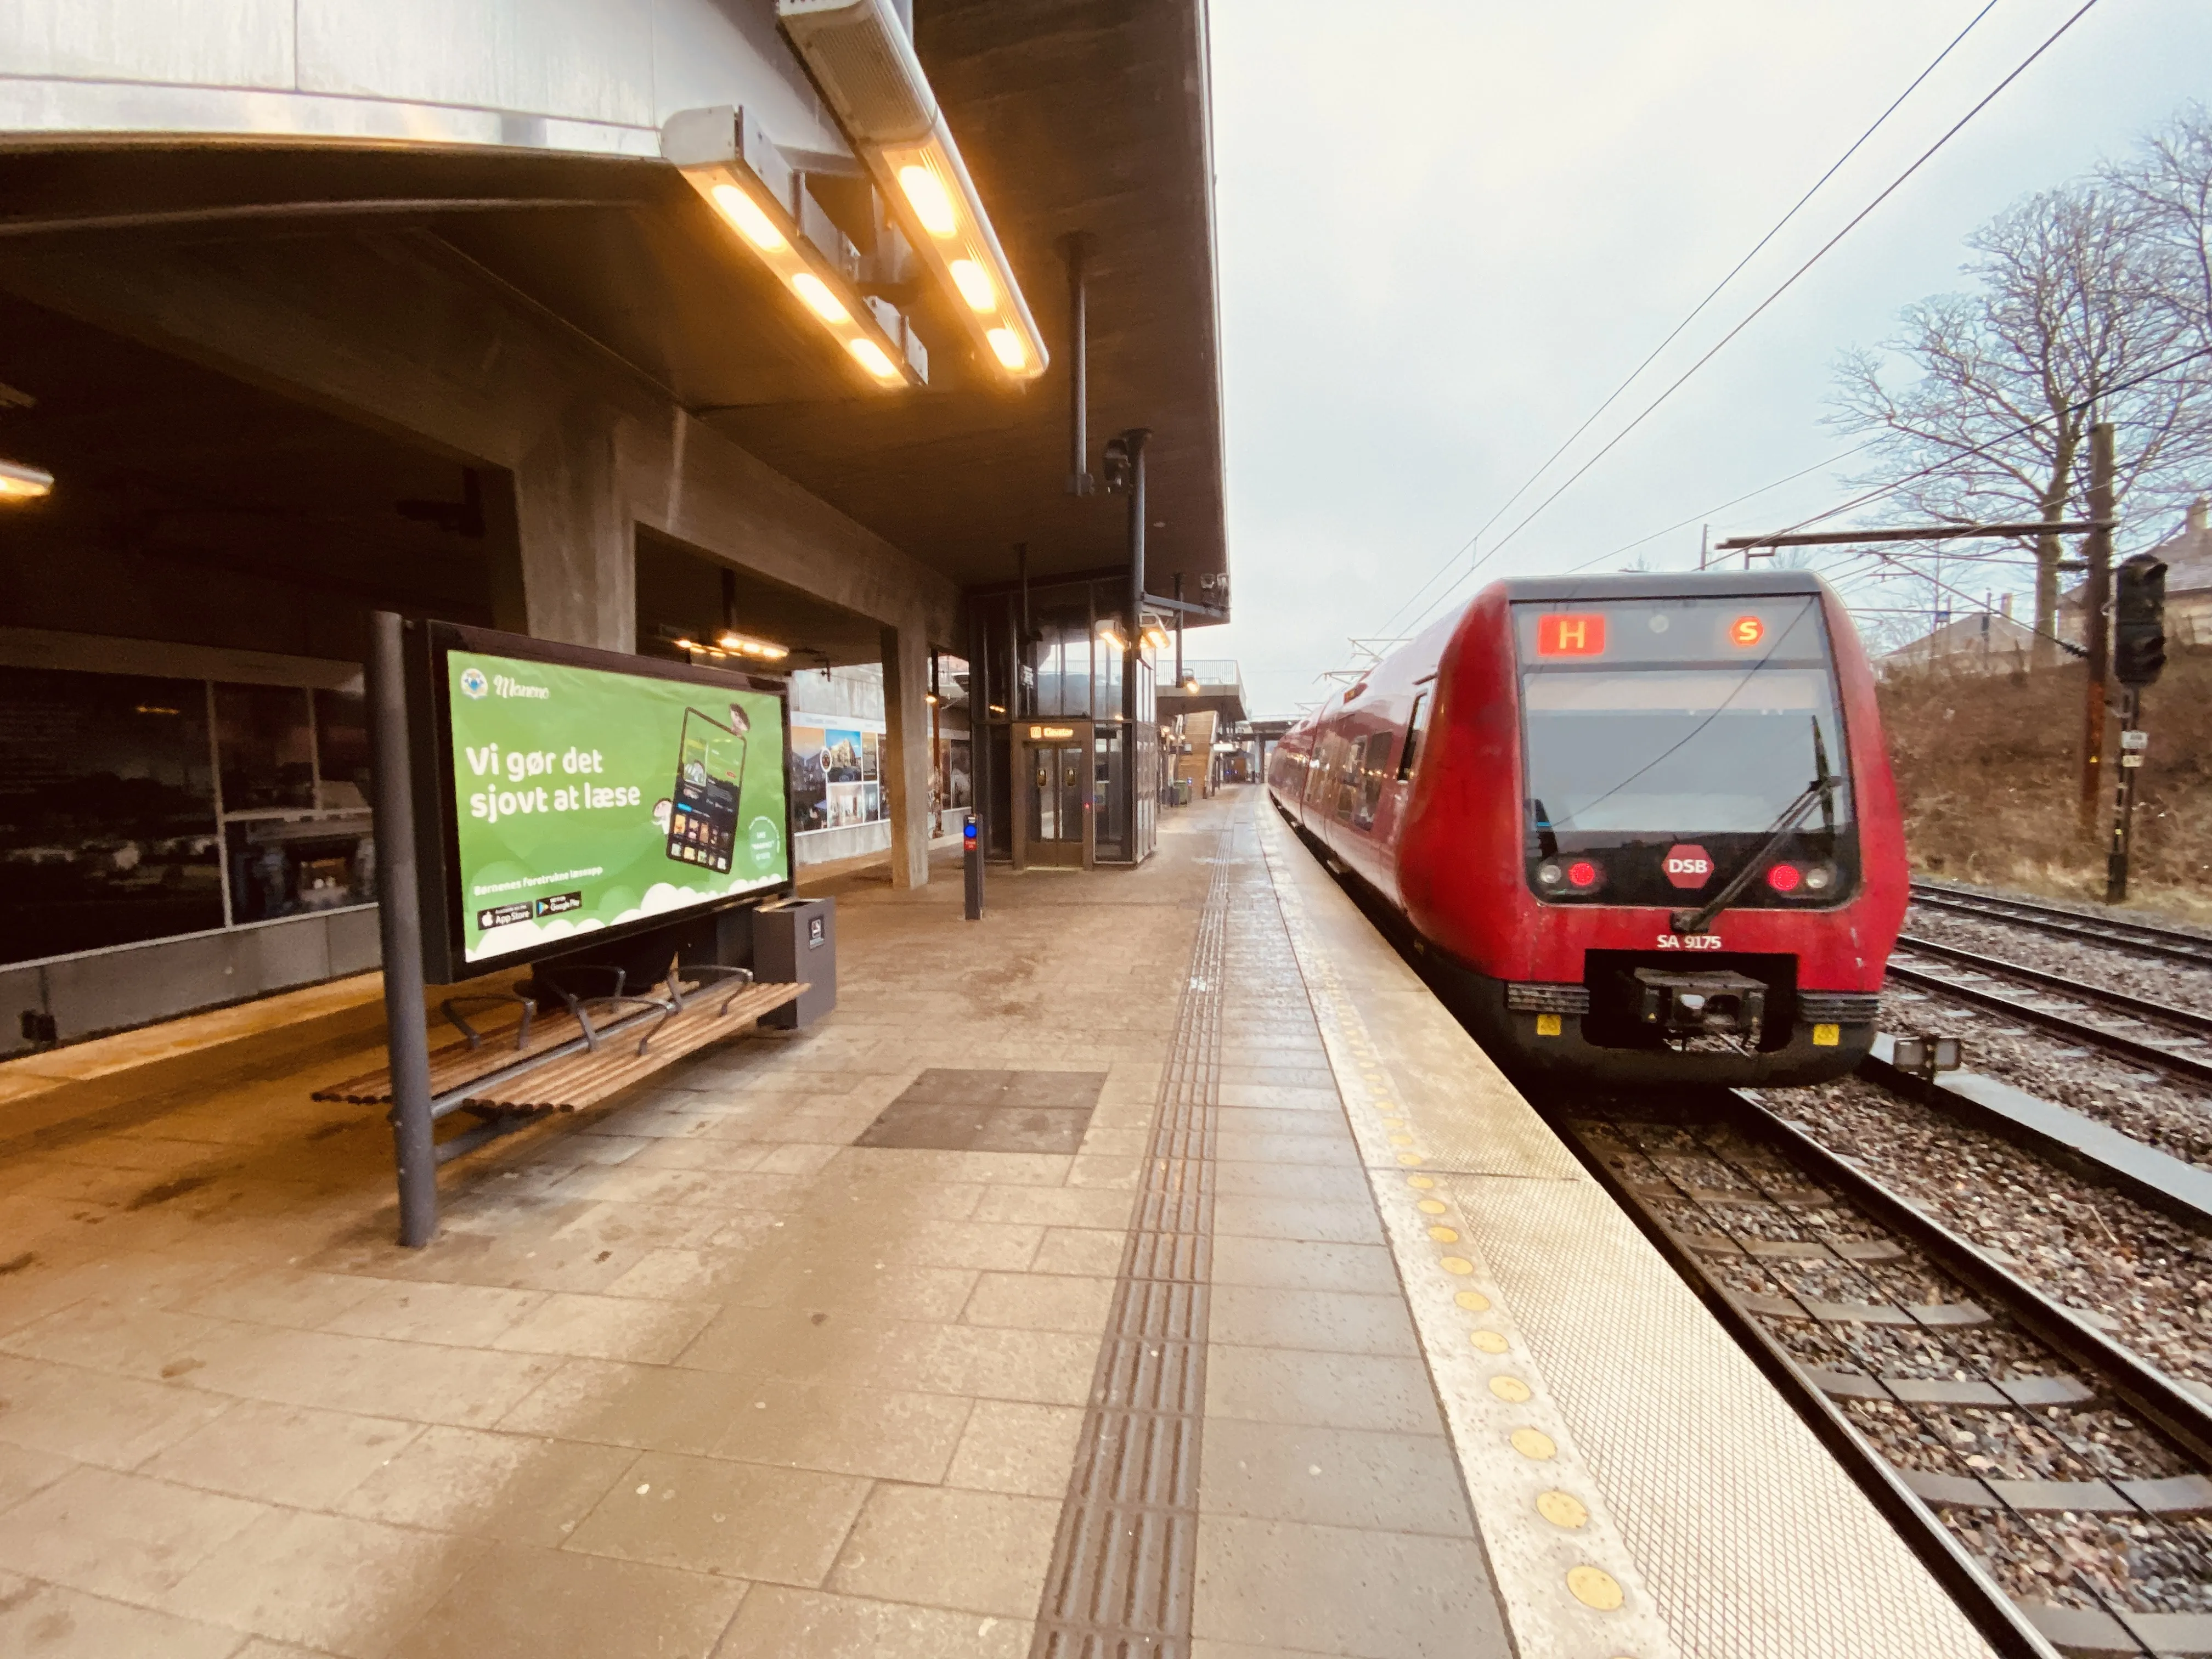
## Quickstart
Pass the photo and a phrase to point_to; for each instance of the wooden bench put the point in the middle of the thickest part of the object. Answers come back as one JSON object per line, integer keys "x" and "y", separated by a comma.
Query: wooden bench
{"x": 534, "y": 1064}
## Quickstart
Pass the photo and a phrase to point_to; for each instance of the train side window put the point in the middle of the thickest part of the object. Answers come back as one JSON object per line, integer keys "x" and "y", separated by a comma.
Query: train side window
{"x": 1374, "y": 770}
{"x": 1348, "y": 756}
{"x": 1314, "y": 758}
{"x": 1413, "y": 730}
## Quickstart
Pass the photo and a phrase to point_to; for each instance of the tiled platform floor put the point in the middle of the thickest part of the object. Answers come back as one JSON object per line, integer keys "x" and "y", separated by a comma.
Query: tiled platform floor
{"x": 700, "y": 1374}
{"x": 696, "y": 1374}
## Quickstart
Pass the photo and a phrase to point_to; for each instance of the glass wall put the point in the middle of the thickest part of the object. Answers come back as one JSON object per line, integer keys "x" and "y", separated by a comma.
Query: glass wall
{"x": 1063, "y": 669}
{"x": 135, "y": 807}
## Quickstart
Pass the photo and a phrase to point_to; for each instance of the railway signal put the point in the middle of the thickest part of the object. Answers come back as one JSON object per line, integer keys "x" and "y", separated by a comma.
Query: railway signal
{"x": 2138, "y": 659}
{"x": 2139, "y": 622}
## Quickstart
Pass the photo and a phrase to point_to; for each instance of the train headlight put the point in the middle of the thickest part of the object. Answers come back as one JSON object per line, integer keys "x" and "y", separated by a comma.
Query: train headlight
{"x": 1549, "y": 874}
{"x": 1784, "y": 878}
{"x": 1819, "y": 878}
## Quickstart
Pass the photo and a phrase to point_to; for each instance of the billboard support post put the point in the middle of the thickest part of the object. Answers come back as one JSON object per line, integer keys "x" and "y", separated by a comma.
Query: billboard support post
{"x": 399, "y": 923}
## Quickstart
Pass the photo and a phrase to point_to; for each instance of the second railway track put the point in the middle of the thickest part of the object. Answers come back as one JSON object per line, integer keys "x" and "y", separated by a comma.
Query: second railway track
{"x": 2057, "y": 1484}
{"x": 2171, "y": 1039}
{"x": 2142, "y": 938}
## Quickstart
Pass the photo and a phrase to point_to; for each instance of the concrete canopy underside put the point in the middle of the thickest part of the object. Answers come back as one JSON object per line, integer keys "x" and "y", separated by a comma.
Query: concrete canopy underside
{"x": 1076, "y": 117}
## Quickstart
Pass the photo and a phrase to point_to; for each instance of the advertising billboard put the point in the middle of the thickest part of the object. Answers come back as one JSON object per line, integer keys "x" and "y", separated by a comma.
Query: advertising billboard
{"x": 578, "y": 797}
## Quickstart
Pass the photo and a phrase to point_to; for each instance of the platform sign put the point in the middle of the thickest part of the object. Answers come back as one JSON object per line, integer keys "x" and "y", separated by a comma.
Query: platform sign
{"x": 578, "y": 797}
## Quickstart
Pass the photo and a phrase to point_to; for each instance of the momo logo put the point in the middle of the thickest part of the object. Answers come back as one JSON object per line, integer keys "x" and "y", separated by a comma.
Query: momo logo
{"x": 473, "y": 683}
{"x": 1688, "y": 865}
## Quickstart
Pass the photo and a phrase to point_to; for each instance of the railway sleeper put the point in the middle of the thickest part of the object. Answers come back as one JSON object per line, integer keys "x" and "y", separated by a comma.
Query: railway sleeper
{"x": 2025, "y": 1391}
{"x": 2177, "y": 1496}
{"x": 1926, "y": 1314}
{"x": 2089, "y": 1634}
{"x": 1793, "y": 1249}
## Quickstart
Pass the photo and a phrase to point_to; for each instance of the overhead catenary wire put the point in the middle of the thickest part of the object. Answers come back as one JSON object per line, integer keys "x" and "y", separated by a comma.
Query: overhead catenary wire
{"x": 1696, "y": 311}
{"x": 1856, "y": 219}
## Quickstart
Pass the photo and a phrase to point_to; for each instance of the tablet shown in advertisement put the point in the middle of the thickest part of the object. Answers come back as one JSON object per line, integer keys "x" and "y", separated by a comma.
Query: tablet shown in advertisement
{"x": 585, "y": 799}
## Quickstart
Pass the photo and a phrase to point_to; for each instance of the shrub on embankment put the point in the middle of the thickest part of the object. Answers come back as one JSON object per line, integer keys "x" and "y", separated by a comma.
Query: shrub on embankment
{"x": 1988, "y": 769}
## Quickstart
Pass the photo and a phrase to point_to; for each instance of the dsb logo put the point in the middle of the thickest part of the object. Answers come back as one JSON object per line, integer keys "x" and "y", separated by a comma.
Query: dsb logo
{"x": 1688, "y": 865}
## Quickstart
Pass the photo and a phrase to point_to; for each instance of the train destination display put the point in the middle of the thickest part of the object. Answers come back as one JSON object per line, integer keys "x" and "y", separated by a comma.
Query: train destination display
{"x": 585, "y": 799}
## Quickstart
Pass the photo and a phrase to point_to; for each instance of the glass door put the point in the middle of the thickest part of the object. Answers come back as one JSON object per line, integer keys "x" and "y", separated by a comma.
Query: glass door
{"x": 1056, "y": 811}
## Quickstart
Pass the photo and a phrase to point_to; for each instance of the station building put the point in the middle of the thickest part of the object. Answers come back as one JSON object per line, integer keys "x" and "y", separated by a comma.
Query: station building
{"x": 311, "y": 310}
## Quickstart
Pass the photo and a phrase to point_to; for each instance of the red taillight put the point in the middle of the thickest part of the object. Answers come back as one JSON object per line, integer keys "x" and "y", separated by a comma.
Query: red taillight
{"x": 1581, "y": 873}
{"x": 1783, "y": 877}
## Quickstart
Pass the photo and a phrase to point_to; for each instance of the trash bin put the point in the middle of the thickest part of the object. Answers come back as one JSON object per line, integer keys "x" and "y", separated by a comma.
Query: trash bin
{"x": 796, "y": 939}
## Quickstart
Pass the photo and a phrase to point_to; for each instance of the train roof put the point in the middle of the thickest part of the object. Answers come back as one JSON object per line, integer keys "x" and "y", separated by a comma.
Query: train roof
{"x": 1661, "y": 585}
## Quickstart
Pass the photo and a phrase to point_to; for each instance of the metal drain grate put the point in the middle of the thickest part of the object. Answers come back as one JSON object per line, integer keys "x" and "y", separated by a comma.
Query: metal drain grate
{"x": 1125, "y": 1563}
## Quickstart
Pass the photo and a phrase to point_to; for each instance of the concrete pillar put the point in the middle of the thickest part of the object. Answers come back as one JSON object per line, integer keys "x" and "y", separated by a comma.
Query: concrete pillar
{"x": 906, "y": 752}
{"x": 579, "y": 567}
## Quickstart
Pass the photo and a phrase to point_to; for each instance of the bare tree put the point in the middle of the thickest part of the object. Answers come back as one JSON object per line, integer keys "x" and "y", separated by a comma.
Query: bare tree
{"x": 2168, "y": 185}
{"x": 2059, "y": 330}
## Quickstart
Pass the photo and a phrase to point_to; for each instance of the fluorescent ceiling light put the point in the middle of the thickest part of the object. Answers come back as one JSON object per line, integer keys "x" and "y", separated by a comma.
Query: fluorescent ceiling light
{"x": 746, "y": 646}
{"x": 820, "y": 301}
{"x": 974, "y": 285}
{"x": 726, "y": 158}
{"x": 860, "y": 56}
{"x": 19, "y": 483}
{"x": 741, "y": 210}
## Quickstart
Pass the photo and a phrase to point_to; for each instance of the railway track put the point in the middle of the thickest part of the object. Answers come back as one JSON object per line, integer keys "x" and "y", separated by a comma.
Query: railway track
{"x": 2145, "y": 939}
{"x": 2058, "y": 1485}
{"x": 2171, "y": 1039}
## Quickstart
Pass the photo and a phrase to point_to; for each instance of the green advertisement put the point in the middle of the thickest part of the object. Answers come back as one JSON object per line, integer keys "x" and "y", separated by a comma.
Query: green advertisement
{"x": 584, "y": 800}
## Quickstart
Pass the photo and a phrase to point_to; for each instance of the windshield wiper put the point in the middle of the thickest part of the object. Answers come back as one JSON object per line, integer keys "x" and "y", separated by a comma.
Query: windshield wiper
{"x": 1820, "y": 792}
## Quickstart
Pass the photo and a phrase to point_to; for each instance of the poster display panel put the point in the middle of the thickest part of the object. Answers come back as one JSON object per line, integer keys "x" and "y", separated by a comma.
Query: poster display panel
{"x": 584, "y": 799}
{"x": 836, "y": 772}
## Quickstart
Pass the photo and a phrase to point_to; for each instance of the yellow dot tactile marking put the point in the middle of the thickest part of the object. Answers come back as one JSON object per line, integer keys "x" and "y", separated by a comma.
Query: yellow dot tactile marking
{"x": 1409, "y": 1158}
{"x": 1593, "y": 1587}
{"x": 1456, "y": 1264}
{"x": 1488, "y": 1341}
{"x": 1444, "y": 1235}
{"x": 1535, "y": 1443}
{"x": 1562, "y": 1509}
{"x": 1401, "y": 1140}
{"x": 1512, "y": 1389}
{"x": 1423, "y": 1182}
{"x": 1431, "y": 1207}
{"x": 1473, "y": 1301}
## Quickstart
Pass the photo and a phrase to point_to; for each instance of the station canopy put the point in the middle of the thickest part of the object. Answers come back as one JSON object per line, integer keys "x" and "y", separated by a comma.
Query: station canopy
{"x": 1074, "y": 117}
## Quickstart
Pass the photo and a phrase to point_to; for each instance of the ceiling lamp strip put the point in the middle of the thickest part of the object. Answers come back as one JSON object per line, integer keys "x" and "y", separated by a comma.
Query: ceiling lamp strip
{"x": 728, "y": 160}
{"x": 22, "y": 483}
{"x": 860, "y": 58}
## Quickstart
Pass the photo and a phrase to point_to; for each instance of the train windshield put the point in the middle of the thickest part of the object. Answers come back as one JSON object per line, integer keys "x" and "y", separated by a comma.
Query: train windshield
{"x": 1678, "y": 719}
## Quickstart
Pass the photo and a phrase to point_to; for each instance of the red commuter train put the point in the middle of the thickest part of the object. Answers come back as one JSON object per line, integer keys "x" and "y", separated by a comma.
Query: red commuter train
{"x": 1642, "y": 827}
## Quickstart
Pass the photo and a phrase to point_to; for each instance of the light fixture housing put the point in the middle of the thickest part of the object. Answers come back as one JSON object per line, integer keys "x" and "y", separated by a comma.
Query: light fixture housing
{"x": 724, "y": 155}
{"x": 860, "y": 56}
{"x": 746, "y": 645}
{"x": 22, "y": 483}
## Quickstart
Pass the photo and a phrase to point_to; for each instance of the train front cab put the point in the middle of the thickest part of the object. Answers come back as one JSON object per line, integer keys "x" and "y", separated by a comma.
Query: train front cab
{"x": 1657, "y": 733}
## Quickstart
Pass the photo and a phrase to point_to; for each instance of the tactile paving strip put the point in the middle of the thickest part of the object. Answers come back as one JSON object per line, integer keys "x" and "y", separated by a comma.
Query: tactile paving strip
{"x": 1124, "y": 1562}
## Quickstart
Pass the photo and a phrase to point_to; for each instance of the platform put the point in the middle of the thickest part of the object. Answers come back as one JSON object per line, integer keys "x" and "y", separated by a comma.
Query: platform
{"x": 1156, "y": 1254}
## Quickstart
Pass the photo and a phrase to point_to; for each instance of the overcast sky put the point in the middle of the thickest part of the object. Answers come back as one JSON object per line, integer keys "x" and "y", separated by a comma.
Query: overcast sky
{"x": 1449, "y": 228}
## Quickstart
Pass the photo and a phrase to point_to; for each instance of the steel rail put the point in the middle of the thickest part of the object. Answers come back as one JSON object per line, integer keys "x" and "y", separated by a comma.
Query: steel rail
{"x": 2120, "y": 1002}
{"x": 2196, "y": 1069}
{"x": 2168, "y": 943}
